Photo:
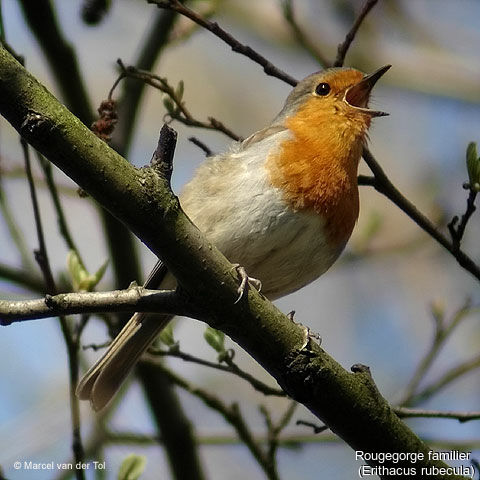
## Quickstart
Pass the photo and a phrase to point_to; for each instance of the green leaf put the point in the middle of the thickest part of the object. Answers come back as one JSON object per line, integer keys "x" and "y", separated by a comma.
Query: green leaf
{"x": 168, "y": 103}
{"x": 82, "y": 281}
{"x": 215, "y": 338}
{"x": 76, "y": 270}
{"x": 99, "y": 274}
{"x": 166, "y": 336}
{"x": 179, "y": 90}
{"x": 473, "y": 164}
{"x": 132, "y": 467}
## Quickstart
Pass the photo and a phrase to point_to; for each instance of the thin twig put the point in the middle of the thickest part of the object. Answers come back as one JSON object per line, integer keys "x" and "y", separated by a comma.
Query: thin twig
{"x": 133, "y": 299}
{"x": 286, "y": 440}
{"x": 41, "y": 256}
{"x": 61, "y": 218}
{"x": 156, "y": 40}
{"x": 177, "y": 111}
{"x": 462, "y": 417}
{"x": 232, "y": 415}
{"x": 302, "y": 38}
{"x": 382, "y": 184}
{"x": 231, "y": 368}
{"x": 457, "y": 231}
{"x": 236, "y": 46}
{"x": 16, "y": 234}
{"x": 345, "y": 45}
{"x": 442, "y": 333}
{"x": 274, "y": 430}
{"x": 447, "y": 378}
{"x": 316, "y": 428}
{"x": 201, "y": 145}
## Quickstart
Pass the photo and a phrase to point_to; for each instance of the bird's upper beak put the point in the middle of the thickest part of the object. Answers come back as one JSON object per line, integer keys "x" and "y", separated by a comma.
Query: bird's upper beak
{"x": 357, "y": 96}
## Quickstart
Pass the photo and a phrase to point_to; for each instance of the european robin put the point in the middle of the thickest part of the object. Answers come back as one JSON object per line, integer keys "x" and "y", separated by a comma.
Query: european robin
{"x": 282, "y": 204}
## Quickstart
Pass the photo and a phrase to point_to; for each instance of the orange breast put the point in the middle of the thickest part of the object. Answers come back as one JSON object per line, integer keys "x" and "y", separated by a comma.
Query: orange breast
{"x": 317, "y": 168}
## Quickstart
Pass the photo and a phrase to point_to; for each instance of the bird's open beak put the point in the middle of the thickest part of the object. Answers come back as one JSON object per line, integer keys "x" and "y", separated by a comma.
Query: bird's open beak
{"x": 358, "y": 95}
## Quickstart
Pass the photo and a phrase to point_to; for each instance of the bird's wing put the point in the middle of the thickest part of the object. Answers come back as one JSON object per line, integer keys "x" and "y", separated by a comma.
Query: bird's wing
{"x": 262, "y": 134}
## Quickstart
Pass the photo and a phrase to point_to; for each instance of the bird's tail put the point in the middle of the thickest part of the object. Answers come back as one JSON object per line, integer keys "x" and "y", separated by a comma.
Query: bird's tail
{"x": 104, "y": 378}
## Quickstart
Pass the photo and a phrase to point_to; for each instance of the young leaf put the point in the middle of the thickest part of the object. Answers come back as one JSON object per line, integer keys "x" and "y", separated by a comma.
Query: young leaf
{"x": 132, "y": 467}
{"x": 166, "y": 336}
{"x": 215, "y": 338}
{"x": 473, "y": 164}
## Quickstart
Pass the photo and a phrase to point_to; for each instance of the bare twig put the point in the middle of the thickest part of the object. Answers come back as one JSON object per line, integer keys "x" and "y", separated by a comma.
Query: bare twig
{"x": 156, "y": 41}
{"x": 131, "y": 300}
{"x": 457, "y": 231}
{"x": 61, "y": 218}
{"x": 236, "y": 46}
{"x": 442, "y": 333}
{"x": 16, "y": 234}
{"x": 382, "y": 184}
{"x": 404, "y": 412}
{"x": 232, "y": 415}
{"x": 448, "y": 377}
{"x": 302, "y": 38}
{"x": 201, "y": 145}
{"x": 274, "y": 430}
{"x": 345, "y": 45}
{"x": 41, "y": 255}
{"x": 316, "y": 428}
{"x": 176, "y": 108}
{"x": 231, "y": 368}
{"x": 72, "y": 345}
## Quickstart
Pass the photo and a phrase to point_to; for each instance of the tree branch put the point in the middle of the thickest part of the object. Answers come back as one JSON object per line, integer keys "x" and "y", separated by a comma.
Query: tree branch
{"x": 302, "y": 38}
{"x": 236, "y": 46}
{"x": 231, "y": 368}
{"x": 233, "y": 416}
{"x": 404, "y": 412}
{"x": 134, "y": 299}
{"x": 71, "y": 344}
{"x": 382, "y": 184}
{"x": 458, "y": 229}
{"x": 345, "y": 45}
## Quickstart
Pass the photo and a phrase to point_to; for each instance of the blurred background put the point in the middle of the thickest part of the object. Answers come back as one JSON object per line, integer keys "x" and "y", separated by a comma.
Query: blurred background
{"x": 373, "y": 307}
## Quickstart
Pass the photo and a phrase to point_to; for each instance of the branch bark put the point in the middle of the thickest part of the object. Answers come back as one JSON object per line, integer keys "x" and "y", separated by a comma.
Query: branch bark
{"x": 348, "y": 402}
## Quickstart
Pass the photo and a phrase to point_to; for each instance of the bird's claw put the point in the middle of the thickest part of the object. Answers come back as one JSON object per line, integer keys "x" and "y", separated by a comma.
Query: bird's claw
{"x": 245, "y": 281}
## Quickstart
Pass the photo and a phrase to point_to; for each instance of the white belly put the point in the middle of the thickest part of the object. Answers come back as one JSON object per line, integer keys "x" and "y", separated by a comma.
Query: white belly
{"x": 232, "y": 202}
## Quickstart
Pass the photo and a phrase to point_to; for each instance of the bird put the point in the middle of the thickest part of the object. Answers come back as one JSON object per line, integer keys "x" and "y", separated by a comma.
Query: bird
{"x": 281, "y": 204}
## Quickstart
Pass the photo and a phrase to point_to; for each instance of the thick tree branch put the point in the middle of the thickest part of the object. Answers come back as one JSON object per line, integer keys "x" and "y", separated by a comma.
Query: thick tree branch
{"x": 347, "y": 402}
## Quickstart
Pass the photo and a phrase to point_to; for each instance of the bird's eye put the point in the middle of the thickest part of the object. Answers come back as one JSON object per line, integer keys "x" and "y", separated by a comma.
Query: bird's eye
{"x": 322, "y": 89}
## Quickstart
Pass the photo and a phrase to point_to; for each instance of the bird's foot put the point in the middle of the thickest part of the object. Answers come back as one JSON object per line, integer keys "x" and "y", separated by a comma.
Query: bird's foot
{"x": 307, "y": 333}
{"x": 245, "y": 281}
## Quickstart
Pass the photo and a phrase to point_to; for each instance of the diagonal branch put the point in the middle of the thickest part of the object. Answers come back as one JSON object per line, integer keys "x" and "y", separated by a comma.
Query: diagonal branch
{"x": 302, "y": 38}
{"x": 238, "y": 47}
{"x": 382, "y": 184}
{"x": 345, "y": 45}
{"x": 231, "y": 368}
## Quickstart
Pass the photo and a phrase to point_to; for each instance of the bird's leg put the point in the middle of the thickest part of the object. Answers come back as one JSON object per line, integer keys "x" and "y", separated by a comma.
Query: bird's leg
{"x": 245, "y": 280}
